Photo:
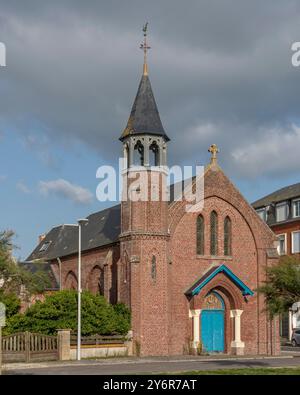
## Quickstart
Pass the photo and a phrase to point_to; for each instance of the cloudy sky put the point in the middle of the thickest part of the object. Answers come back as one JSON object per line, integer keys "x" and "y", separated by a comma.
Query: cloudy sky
{"x": 221, "y": 73}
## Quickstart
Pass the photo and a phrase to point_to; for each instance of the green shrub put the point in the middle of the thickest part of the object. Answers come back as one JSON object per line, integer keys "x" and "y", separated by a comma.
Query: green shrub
{"x": 59, "y": 311}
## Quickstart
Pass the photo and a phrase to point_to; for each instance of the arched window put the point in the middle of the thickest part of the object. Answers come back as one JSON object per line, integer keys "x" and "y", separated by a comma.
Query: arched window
{"x": 200, "y": 235}
{"x": 227, "y": 236}
{"x": 153, "y": 268}
{"x": 71, "y": 281}
{"x": 126, "y": 157}
{"x": 138, "y": 154}
{"x": 125, "y": 268}
{"x": 213, "y": 233}
{"x": 154, "y": 154}
{"x": 95, "y": 282}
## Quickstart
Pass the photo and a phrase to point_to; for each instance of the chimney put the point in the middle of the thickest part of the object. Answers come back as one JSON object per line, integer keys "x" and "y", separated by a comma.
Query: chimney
{"x": 42, "y": 237}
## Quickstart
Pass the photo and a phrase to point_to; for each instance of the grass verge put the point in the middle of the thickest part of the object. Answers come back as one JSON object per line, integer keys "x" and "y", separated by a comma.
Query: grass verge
{"x": 244, "y": 371}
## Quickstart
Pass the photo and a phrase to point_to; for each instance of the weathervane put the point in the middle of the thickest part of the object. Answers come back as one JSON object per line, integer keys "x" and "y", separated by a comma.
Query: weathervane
{"x": 144, "y": 46}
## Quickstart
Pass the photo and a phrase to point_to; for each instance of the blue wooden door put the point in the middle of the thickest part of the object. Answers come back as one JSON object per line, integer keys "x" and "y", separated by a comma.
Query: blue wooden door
{"x": 212, "y": 330}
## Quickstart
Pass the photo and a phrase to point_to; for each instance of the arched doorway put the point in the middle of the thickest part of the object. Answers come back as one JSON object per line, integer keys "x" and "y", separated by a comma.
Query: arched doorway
{"x": 213, "y": 323}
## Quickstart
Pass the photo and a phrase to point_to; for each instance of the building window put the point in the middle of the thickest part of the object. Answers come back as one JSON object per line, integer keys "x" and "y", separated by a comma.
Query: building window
{"x": 200, "y": 235}
{"x": 213, "y": 233}
{"x": 45, "y": 246}
{"x": 262, "y": 214}
{"x": 138, "y": 154}
{"x": 154, "y": 154}
{"x": 281, "y": 244}
{"x": 296, "y": 208}
{"x": 296, "y": 242}
{"x": 281, "y": 212}
{"x": 227, "y": 237}
{"x": 153, "y": 268}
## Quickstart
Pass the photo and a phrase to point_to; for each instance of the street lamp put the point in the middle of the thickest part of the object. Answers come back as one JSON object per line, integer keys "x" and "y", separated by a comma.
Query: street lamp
{"x": 80, "y": 223}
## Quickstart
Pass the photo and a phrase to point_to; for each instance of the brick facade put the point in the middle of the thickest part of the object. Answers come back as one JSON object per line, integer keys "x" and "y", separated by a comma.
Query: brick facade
{"x": 161, "y": 321}
{"x": 155, "y": 261}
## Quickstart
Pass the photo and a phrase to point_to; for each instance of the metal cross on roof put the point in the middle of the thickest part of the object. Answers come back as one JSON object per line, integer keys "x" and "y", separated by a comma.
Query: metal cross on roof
{"x": 144, "y": 46}
{"x": 214, "y": 150}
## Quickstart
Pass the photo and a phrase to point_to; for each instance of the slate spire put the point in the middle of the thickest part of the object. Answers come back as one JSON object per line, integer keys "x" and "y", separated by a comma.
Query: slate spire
{"x": 144, "y": 118}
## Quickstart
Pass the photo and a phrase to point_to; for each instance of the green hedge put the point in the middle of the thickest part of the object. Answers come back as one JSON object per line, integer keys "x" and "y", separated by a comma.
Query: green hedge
{"x": 59, "y": 311}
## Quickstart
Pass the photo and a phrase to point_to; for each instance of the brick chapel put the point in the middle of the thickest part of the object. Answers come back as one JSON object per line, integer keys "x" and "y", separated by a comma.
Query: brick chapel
{"x": 189, "y": 278}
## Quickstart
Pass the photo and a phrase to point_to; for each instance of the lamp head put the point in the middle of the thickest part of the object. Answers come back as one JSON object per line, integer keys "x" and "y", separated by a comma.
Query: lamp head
{"x": 82, "y": 221}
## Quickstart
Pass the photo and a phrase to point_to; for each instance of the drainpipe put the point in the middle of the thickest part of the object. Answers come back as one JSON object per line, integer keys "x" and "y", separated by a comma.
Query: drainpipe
{"x": 59, "y": 264}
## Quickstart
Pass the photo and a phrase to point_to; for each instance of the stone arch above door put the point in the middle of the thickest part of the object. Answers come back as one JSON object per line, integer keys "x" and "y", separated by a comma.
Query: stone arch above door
{"x": 222, "y": 280}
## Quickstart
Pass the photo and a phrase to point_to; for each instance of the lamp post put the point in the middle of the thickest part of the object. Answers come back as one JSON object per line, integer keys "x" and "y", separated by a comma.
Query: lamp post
{"x": 80, "y": 223}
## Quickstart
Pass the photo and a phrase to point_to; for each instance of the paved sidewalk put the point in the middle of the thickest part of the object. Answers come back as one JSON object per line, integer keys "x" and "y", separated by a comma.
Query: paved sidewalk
{"x": 145, "y": 360}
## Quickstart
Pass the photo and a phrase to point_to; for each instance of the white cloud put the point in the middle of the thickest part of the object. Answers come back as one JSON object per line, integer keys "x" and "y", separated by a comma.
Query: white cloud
{"x": 22, "y": 187}
{"x": 275, "y": 152}
{"x": 2, "y": 177}
{"x": 65, "y": 189}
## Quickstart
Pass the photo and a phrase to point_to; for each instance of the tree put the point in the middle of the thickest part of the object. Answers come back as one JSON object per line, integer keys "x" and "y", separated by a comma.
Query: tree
{"x": 59, "y": 310}
{"x": 11, "y": 302}
{"x": 282, "y": 287}
{"x": 14, "y": 277}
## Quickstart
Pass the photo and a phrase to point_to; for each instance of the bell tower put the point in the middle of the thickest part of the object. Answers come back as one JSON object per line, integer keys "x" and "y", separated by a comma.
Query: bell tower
{"x": 143, "y": 270}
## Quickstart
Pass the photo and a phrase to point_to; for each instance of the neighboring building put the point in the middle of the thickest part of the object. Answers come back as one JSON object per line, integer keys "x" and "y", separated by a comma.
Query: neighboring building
{"x": 188, "y": 277}
{"x": 281, "y": 211}
{"x": 28, "y": 300}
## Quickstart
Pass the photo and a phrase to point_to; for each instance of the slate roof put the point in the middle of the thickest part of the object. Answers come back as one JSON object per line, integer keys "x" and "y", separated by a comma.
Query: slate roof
{"x": 102, "y": 229}
{"x": 286, "y": 193}
{"x": 144, "y": 117}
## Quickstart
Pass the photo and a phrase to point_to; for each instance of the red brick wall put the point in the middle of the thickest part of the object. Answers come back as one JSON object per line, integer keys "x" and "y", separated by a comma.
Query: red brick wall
{"x": 250, "y": 240}
{"x": 160, "y": 309}
{"x": 144, "y": 235}
{"x": 94, "y": 263}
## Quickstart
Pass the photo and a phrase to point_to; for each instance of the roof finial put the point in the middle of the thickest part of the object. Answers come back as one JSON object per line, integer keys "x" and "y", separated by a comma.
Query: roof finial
{"x": 144, "y": 46}
{"x": 213, "y": 149}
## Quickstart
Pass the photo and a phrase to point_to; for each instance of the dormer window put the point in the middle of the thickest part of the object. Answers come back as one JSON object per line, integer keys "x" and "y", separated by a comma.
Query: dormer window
{"x": 45, "y": 246}
{"x": 262, "y": 212}
{"x": 281, "y": 212}
{"x": 296, "y": 208}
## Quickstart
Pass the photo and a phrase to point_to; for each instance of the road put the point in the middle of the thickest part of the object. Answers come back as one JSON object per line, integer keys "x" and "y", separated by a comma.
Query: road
{"x": 129, "y": 366}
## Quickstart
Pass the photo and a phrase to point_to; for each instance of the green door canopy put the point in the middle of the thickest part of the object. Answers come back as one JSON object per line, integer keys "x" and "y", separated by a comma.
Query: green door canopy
{"x": 207, "y": 277}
